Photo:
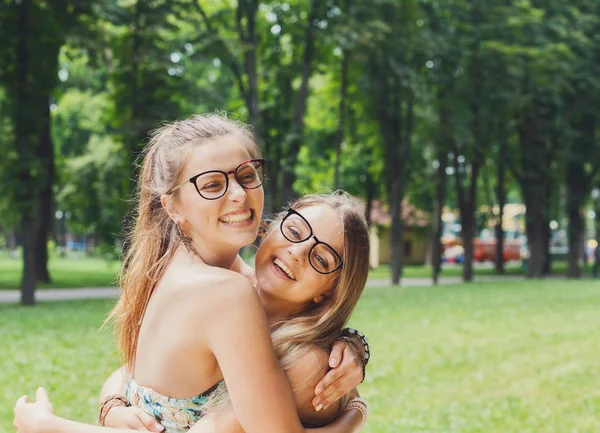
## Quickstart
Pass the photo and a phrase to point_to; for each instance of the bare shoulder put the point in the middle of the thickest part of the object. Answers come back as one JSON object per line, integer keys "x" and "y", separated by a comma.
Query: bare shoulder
{"x": 203, "y": 292}
{"x": 308, "y": 369}
{"x": 214, "y": 283}
{"x": 304, "y": 375}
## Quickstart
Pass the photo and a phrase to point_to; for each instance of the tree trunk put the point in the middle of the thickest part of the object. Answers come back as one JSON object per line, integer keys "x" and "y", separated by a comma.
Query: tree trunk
{"x": 251, "y": 66}
{"x": 501, "y": 199}
{"x": 46, "y": 154}
{"x": 27, "y": 197}
{"x": 574, "y": 236}
{"x": 370, "y": 194}
{"x": 397, "y": 230}
{"x": 440, "y": 200}
{"x": 547, "y": 268}
{"x": 467, "y": 206}
{"x": 342, "y": 119}
{"x": 295, "y": 139}
{"x": 535, "y": 219}
{"x": 467, "y": 233}
{"x": 596, "y": 268}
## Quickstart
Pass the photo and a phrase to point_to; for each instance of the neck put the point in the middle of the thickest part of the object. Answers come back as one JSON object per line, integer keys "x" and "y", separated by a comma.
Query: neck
{"x": 278, "y": 310}
{"x": 219, "y": 257}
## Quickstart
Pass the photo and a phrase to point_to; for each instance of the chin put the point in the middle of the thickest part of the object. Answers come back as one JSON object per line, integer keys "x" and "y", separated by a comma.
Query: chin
{"x": 243, "y": 239}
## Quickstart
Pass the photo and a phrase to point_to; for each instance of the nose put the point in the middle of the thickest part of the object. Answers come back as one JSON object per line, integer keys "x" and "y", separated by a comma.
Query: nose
{"x": 299, "y": 252}
{"x": 236, "y": 193}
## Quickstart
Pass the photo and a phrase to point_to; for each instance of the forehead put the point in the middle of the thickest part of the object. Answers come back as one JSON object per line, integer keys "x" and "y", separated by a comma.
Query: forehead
{"x": 221, "y": 153}
{"x": 326, "y": 225}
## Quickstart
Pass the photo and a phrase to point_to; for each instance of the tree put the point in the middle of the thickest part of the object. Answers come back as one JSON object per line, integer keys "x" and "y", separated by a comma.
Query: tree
{"x": 35, "y": 31}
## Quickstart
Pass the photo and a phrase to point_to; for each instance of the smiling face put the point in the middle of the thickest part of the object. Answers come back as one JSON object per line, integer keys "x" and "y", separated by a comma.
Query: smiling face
{"x": 229, "y": 222}
{"x": 283, "y": 269}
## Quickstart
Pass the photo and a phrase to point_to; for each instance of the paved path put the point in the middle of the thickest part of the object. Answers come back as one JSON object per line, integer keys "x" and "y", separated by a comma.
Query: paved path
{"x": 13, "y": 296}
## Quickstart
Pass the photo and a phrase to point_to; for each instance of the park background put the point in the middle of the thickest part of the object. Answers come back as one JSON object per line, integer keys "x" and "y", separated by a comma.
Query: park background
{"x": 469, "y": 128}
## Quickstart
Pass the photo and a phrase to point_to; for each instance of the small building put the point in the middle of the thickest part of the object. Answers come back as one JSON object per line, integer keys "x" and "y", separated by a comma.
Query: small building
{"x": 416, "y": 234}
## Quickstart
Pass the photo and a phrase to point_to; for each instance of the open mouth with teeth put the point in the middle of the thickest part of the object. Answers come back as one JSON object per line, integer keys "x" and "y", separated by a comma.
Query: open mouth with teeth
{"x": 237, "y": 217}
{"x": 287, "y": 271}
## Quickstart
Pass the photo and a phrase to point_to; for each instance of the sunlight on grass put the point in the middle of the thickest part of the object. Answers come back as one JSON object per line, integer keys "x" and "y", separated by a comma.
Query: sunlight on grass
{"x": 494, "y": 357}
{"x": 65, "y": 273}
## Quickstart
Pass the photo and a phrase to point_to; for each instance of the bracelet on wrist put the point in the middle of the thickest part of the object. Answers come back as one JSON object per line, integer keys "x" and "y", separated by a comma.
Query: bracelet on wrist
{"x": 111, "y": 401}
{"x": 362, "y": 358}
{"x": 349, "y": 332}
{"x": 360, "y": 405}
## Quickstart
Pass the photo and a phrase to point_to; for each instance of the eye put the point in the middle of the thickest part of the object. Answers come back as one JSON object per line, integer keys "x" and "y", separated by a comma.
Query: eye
{"x": 322, "y": 261}
{"x": 212, "y": 186}
{"x": 294, "y": 233}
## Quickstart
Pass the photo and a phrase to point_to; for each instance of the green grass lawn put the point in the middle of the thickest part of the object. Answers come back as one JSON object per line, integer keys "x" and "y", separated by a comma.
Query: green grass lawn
{"x": 384, "y": 271}
{"x": 65, "y": 272}
{"x": 509, "y": 357}
{"x": 96, "y": 272}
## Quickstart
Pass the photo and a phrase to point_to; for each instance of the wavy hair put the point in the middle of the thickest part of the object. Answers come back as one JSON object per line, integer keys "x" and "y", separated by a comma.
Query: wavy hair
{"x": 153, "y": 239}
{"x": 320, "y": 325}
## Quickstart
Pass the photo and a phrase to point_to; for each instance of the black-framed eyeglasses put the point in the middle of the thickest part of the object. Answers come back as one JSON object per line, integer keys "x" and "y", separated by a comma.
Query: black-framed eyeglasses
{"x": 322, "y": 257}
{"x": 213, "y": 184}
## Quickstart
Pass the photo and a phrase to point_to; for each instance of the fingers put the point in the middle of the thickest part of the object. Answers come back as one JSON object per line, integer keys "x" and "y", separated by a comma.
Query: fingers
{"x": 339, "y": 381}
{"x": 149, "y": 422}
{"x": 337, "y": 353}
{"x": 329, "y": 378}
{"x": 42, "y": 398}
{"x": 326, "y": 387}
{"x": 332, "y": 393}
{"x": 22, "y": 401}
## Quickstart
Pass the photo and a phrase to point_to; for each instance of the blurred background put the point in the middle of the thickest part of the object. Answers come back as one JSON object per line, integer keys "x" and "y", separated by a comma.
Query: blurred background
{"x": 470, "y": 129}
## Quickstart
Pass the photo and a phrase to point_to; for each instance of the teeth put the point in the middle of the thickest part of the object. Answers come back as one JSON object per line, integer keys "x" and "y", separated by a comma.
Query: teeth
{"x": 237, "y": 217}
{"x": 284, "y": 268}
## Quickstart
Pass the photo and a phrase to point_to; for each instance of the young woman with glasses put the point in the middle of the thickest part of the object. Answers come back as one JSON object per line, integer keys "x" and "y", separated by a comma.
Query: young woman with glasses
{"x": 186, "y": 322}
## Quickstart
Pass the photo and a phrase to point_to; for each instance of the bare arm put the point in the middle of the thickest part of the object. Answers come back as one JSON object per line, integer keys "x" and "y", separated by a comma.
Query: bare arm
{"x": 114, "y": 384}
{"x": 239, "y": 338}
{"x": 37, "y": 417}
{"x": 311, "y": 365}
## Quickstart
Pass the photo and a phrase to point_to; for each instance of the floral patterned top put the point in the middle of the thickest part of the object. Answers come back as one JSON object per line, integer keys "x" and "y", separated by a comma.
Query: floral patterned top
{"x": 177, "y": 415}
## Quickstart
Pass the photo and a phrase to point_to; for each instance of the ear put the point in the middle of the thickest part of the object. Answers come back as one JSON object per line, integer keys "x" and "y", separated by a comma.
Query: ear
{"x": 170, "y": 205}
{"x": 318, "y": 299}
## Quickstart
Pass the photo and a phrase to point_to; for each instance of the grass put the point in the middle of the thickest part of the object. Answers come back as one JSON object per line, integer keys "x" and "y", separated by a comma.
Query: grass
{"x": 82, "y": 271}
{"x": 490, "y": 357}
{"x": 385, "y": 272}
{"x": 65, "y": 272}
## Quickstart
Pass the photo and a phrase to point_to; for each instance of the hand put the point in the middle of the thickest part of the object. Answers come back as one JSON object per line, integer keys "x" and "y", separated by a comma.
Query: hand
{"x": 33, "y": 417}
{"x": 133, "y": 418}
{"x": 346, "y": 374}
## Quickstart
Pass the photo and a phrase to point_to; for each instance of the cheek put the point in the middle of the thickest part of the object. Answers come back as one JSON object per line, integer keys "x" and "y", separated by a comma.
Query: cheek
{"x": 264, "y": 250}
{"x": 258, "y": 197}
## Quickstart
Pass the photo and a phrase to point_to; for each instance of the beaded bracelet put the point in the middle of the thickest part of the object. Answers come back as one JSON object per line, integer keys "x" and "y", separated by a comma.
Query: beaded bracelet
{"x": 113, "y": 400}
{"x": 360, "y": 405}
{"x": 348, "y": 332}
{"x": 362, "y": 358}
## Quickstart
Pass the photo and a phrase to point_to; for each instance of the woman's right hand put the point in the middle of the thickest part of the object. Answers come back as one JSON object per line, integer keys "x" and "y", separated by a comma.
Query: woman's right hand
{"x": 33, "y": 417}
{"x": 132, "y": 418}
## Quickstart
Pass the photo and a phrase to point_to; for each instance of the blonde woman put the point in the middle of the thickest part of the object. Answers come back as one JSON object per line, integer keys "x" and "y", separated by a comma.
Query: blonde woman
{"x": 186, "y": 321}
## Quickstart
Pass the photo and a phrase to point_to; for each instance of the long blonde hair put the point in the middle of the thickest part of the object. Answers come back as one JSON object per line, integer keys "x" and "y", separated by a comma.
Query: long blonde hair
{"x": 319, "y": 326}
{"x": 322, "y": 324}
{"x": 153, "y": 237}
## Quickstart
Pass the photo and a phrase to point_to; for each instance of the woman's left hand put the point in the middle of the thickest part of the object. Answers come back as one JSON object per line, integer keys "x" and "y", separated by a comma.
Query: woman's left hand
{"x": 346, "y": 374}
{"x": 33, "y": 417}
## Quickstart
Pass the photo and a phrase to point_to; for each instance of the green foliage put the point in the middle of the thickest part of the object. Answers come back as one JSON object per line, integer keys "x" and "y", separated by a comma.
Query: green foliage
{"x": 488, "y": 82}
